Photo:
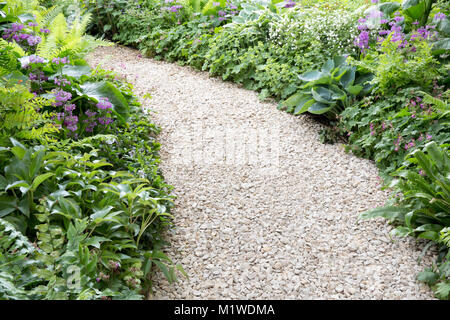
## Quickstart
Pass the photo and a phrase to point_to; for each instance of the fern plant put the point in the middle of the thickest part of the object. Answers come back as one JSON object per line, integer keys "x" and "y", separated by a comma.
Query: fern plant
{"x": 19, "y": 116}
{"x": 9, "y": 53}
{"x": 15, "y": 270}
{"x": 68, "y": 41}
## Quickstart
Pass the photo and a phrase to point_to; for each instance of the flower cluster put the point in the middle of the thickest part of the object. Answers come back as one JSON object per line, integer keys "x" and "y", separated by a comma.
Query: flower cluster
{"x": 61, "y": 61}
{"x": 67, "y": 118}
{"x": 332, "y": 31}
{"x": 61, "y": 81}
{"x": 19, "y": 33}
{"x": 375, "y": 27}
{"x": 289, "y": 4}
{"x": 104, "y": 111}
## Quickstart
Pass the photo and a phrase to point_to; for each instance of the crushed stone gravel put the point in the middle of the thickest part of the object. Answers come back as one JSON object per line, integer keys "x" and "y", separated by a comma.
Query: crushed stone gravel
{"x": 263, "y": 209}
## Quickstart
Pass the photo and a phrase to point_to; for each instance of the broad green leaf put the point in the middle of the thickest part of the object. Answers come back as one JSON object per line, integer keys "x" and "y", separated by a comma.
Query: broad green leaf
{"x": 319, "y": 108}
{"x": 304, "y": 105}
{"x": 444, "y": 26}
{"x": 430, "y": 235}
{"x": 428, "y": 277}
{"x": 41, "y": 178}
{"x": 414, "y": 8}
{"x": 73, "y": 71}
{"x": 389, "y": 212}
{"x": 68, "y": 208}
{"x": 293, "y": 100}
{"x": 441, "y": 46}
{"x": 401, "y": 231}
{"x": 311, "y": 76}
{"x": 354, "y": 90}
{"x": 328, "y": 66}
{"x": 348, "y": 78}
{"x": 104, "y": 89}
{"x": 339, "y": 61}
{"x": 388, "y": 7}
{"x": 322, "y": 95}
{"x": 96, "y": 241}
{"x": 7, "y": 205}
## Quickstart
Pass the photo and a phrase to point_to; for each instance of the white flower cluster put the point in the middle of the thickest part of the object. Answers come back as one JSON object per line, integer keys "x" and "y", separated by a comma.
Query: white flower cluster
{"x": 334, "y": 31}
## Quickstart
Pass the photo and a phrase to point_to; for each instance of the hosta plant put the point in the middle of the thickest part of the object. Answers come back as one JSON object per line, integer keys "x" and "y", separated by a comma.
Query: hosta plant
{"x": 328, "y": 91}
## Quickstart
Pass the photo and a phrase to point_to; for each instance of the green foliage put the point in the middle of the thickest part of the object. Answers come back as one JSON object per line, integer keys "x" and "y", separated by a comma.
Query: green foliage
{"x": 65, "y": 40}
{"x": 386, "y": 129}
{"x": 19, "y": 115}
{"x": 93, "y": 203}
{"x": 328, "y": 91}
{"x": 423, "y": 210}
{"x": 395, "y": 68}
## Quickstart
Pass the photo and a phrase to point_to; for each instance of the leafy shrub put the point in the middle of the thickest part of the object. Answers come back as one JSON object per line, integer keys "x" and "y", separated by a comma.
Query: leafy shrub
{"x": 423, "y": 208}
{"x": 386, "y": 128}
{"x": 73, "y": 186}
{"x": 328, "y": 91}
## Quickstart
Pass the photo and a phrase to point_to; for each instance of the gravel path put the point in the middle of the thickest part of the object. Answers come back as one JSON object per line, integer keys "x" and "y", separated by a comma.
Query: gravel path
{"x": 264, "y": 210}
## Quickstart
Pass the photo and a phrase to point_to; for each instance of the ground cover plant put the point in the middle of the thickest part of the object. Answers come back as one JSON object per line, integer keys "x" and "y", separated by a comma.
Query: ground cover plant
{"x": 81, "y": 216}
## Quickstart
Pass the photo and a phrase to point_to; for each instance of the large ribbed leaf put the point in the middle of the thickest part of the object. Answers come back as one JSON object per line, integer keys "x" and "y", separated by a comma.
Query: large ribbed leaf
{"x": 414, "y": 8}
{"x": 322, "y": 95}
{"x": 348, "y": 78}
{"x": 320, "y": 108}
{"x": 104, "y": 89}
{"x": 311, "y": 76}
{"x": 390, "y": 212}
{"x": 304, "y": 105}
{"x": 73, "y": 71}
{"x": 441, "y": 46}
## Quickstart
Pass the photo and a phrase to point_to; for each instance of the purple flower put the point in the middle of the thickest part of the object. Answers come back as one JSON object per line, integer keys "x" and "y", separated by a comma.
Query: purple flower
{"x": 61, "y": 96}
{"x": 60, "y": 81}
{"x": 32, "y": 24}
{"x": 398, "y": 19}
{"x": 90, "y": 113}
{"x": 36, "y": 59}
{"x": 375, "y": 1}
{"x": 362, "y": 27}
{"x": 71, "y": 123}
{"x": 289, "y": 4}
{"x": 58, "y": 60}
{"x": 16, "y": 27}
{"x": 33, "y": 40}
{"x": 375, "y": 14}
{"x": 216, "y": 4}
{"x": 439, "y": 16}
{"x": 69, "y": 108}
{"x": 44, "y": 30}
{"x": 363, "y": 40}
{"x": 104, "y": 104}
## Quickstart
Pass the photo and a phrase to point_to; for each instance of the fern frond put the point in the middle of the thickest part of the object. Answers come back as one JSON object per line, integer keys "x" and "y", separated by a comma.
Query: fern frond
{"x": 19, "y": 114}
{"x": 13, "y": 241}
{"x": 437, "y": 103}
{"x": 45, "y": 17}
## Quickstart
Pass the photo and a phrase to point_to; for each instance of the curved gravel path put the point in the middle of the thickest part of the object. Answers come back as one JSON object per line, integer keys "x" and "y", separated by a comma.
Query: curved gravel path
{"x": 264, "y": 210}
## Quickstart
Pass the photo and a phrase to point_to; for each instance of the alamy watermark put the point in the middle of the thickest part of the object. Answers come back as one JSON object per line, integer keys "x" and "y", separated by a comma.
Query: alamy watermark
{"x": 227, "y": 145}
